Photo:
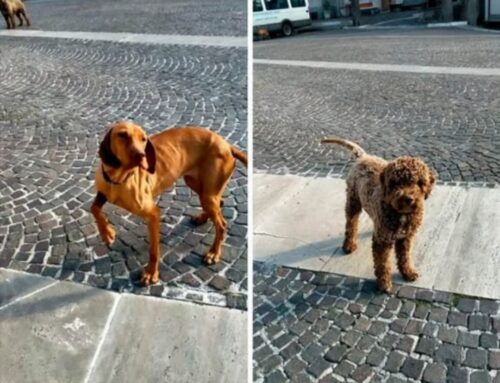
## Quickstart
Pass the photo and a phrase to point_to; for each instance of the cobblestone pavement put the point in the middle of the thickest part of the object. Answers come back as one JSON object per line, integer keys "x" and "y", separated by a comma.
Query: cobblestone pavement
{"x": 318, "y": 327}
{"x": 451, "y": 121}
{"x": 179, "y": 17}
{"x": 438, "y": 47}
{"x": 57, "y": 98}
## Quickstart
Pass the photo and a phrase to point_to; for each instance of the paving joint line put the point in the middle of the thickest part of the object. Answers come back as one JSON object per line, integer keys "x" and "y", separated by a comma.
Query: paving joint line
{"x": 101, "y": 341}
{"x": 23, "y": 297}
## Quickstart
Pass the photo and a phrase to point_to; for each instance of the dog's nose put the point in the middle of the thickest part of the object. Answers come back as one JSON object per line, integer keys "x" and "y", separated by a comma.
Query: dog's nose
{"x": 139, "y": 155}
{"x": 408, "y": 200}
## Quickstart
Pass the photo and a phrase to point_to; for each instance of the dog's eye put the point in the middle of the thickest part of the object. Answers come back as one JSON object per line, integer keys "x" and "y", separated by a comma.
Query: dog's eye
{"x": 123, "y": 135}
{"x": 421, "y": 183}
{"x": 143, "y": 139}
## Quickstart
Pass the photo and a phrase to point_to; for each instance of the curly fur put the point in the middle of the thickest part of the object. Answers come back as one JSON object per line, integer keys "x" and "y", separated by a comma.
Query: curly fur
{"x": 393, "y": 194}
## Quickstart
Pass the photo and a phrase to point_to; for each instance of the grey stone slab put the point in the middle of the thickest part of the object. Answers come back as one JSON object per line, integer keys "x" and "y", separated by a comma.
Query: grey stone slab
{"x": 152, "y": 340}
{"x": 14, "y": 285}
{"x": 303, "y": 230}
{"x": 52, "y": 336}
{"x": 475, "y": 240}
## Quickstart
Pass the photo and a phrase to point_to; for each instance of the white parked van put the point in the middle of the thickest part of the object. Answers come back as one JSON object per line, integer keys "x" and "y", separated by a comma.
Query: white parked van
{"x": 280, "y": 15}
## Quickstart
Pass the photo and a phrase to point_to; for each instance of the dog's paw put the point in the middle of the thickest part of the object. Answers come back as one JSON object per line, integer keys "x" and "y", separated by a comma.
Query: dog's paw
{"x": 109, "y": 235}
{"x": 385, "y": 286}
{"x": 349, "y": 247}
{"x": 212, "y": 258}
{"x": 199, "y": 219}
{"x": 149, "y": 276}
{"x": 410, "y": 275}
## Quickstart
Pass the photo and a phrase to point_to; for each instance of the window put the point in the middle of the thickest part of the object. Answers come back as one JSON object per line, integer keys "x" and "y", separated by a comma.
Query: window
{"x": 257, "y": 6}
{"x": 276, "y": 4}
{"x": 298, "y": 3}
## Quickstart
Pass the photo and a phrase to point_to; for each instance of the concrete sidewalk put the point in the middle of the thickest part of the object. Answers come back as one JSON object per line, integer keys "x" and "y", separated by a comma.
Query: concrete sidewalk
{"x": 299, "y": 222}
{"x": 65, "y": 332}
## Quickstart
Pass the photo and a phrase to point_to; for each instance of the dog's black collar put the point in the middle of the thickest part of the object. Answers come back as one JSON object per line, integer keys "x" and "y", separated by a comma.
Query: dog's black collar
{"x": 108, "y": 179}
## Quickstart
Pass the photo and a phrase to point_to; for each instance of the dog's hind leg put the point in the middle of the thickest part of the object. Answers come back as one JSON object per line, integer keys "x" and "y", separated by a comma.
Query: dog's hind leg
{"x": 352, "y": 212}
{"x": 18, "y": 14}
{"x": 23, "y": 13}
{"x": 211, "y": 206}
{"x": 105, "y": 229}
{"x": 11, "y": 23}
{"x": 382, "y": 264}
{"x": 403, "y": 255}
{"x": 220, "y": 171}
{"x": 195, "y": 184}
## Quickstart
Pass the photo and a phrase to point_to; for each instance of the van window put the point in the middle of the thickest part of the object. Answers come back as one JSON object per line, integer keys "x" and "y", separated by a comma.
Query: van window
{"x": 298, "y": 3}
{"x": 257, "y": 6}
{"x": 276, "y": 4}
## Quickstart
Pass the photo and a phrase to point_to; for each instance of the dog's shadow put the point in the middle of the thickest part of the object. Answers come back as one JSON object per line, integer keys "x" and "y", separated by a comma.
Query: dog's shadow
{"x": 312, "y": 254}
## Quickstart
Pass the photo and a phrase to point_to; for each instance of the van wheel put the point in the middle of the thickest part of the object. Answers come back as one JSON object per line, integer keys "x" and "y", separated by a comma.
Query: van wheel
{"x": 287, "y": 29}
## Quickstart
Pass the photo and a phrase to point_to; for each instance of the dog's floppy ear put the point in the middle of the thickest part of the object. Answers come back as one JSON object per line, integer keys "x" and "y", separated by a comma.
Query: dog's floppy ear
{"x": 151, "y": 157}
{"x": 432, "y": 181}
{"x": 106, "y": 153}
{"x": 382, "y": 179}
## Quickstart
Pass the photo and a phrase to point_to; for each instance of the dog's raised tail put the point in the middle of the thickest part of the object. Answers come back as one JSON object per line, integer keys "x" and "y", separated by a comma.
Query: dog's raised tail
{"x": 239, "y": 155}
{"x": 357, "y": 150}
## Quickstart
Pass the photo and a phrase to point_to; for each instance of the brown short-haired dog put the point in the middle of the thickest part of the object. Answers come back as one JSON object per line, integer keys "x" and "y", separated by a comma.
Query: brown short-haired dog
{"x": 136, "y": 168}
{"x": 393, "y": 194}
{"x": 11, "y": 8}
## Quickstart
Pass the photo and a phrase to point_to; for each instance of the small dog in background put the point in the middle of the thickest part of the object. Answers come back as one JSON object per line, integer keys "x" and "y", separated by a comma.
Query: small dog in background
{"x": 393, "y": 194}
{"x": 11, "y": 8}
{"x": 263, "y": 34}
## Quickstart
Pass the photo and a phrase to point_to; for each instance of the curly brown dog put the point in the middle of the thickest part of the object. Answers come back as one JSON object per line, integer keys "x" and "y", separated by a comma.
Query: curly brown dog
{"x": 11, "y": 8}
{"x": 393, "y": 194}
{"x": 135, "y": 169}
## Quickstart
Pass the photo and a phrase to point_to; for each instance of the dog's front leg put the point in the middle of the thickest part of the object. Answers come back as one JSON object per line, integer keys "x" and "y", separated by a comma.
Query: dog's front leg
{"x": 105, "y": 229}
{"x": 150, "y": 274}
{"x": 403, "y": 255}
{"x": 382, "y": 264}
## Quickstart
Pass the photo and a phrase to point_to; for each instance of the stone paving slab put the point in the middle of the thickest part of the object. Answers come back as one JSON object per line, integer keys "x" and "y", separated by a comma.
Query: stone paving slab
{"x": 58, "y": 97}
{"x": 52, "y": 336}
{"x": 73, "y": 333}
{"x": 182, "y": 17}
{"x": 173, "y": 342}
{"x": 312, "y": 326}
{"x": 14, "y": 285}
{"x": 302, "y": 225}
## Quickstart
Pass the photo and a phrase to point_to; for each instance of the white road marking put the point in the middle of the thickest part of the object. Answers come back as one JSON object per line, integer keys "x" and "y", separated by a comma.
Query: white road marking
{"x": 421, "y": 69}
{"x": 215, "y": 41}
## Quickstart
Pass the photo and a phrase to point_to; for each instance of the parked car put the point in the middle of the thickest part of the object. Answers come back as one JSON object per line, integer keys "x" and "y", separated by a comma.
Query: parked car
{"x": 280, "y": 15}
